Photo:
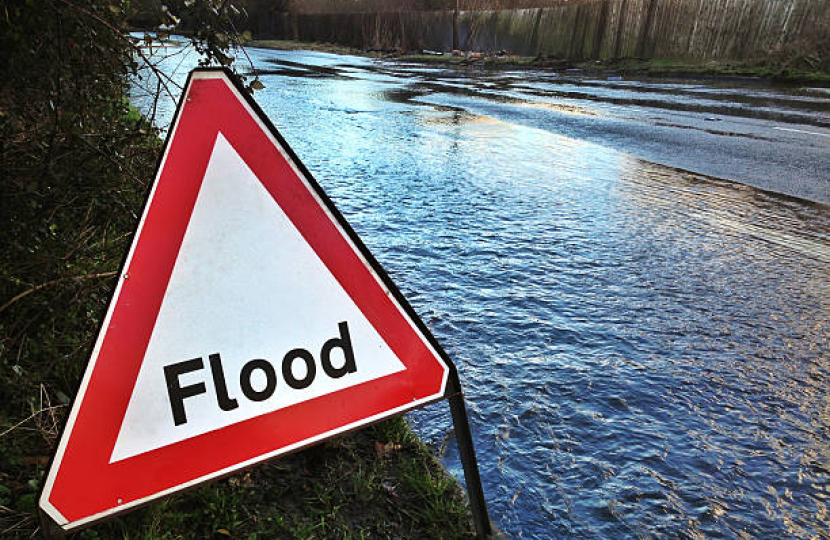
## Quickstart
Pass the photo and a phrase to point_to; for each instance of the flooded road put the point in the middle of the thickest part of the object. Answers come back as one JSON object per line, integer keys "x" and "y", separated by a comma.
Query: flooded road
{"x": 644, "y": 349}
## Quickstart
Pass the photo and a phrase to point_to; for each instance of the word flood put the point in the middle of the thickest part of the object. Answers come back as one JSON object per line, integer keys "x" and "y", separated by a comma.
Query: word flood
{"x": 178, "y": 393}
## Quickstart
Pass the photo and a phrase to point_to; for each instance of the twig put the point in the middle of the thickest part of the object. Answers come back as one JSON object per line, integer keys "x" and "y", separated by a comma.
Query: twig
{"x": 54, "y": 282}
{"x": 17, "y": 525}
{"x": 159, "y": 73}
{"x": 244, "y": 51}
{"x": 17, "y": 425}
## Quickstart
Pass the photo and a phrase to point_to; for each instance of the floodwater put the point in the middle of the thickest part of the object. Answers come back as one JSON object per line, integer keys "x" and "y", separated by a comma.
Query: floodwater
{"x": 644, "y": 349}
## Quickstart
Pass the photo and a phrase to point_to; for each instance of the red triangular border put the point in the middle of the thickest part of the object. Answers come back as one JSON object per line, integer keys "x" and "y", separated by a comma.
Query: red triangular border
{"x": 82, "y": 486}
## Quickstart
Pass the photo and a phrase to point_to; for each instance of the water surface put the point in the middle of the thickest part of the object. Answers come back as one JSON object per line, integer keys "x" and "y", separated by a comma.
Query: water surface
{"x": 644, "y": 349}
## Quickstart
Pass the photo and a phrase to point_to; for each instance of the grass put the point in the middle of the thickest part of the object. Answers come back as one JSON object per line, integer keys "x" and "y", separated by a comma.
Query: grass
{"x": 380, "y": 482}
{"x": 679, "y": 68}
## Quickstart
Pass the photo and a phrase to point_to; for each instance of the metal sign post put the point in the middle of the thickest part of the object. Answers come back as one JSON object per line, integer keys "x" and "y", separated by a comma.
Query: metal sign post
{"x": 467, "y": 452}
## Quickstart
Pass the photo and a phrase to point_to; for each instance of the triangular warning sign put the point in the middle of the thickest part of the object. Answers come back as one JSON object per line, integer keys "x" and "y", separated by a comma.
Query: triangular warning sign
{"x": 249, "y": 321}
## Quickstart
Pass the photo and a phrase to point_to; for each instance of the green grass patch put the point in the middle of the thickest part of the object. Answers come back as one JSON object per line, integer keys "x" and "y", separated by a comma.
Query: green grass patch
{"x": 380, "y": 482}
{"x": 687, "y": 69}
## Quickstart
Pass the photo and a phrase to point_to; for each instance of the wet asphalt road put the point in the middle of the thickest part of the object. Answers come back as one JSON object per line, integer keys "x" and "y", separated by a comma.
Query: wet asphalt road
{"x": 772, "y": 137}
{"x": 776, "y": 139}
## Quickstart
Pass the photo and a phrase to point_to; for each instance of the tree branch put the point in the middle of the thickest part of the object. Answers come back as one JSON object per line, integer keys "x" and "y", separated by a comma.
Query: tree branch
{"x": 159, "y": 73}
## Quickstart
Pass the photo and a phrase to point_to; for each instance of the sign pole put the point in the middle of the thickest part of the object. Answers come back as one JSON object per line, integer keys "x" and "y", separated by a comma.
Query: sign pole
{"x": 48, "y": 528}
{"x": 461, "y": 425}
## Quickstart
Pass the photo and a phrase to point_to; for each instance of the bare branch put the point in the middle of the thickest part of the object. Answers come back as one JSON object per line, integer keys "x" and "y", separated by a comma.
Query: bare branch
{"x": 31, "y": 416}
{"x": 159, "y": 73}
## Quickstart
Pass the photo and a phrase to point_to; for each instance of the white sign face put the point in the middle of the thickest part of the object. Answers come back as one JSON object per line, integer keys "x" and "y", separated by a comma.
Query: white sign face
{"x": 260, "y": 306}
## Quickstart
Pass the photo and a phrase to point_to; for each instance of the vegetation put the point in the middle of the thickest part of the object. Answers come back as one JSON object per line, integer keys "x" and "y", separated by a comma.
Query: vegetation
{"x": 625, "y": 66}
{"x": 775, "y": 40}
{"x": 75, "y": 165}
{"x": 674, "y": 68}
{"x": 381, "y": 482}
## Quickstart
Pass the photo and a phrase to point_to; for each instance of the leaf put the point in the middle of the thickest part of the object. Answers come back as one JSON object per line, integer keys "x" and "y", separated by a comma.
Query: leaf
{"x": 34, "y": 460}
{"x": 114, "y": 9}
{"x": 224, "y": 532}
{"x": 257, "y": 85}
{"x": 383, "y": 450}
{"x": 26, "y": 503}
{"x": 390, "y": 488}
{"x": 225, "y": 60}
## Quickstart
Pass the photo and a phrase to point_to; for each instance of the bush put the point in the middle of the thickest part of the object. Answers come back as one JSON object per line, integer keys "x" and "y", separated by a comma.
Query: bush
{"x": 75, "y": 162}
